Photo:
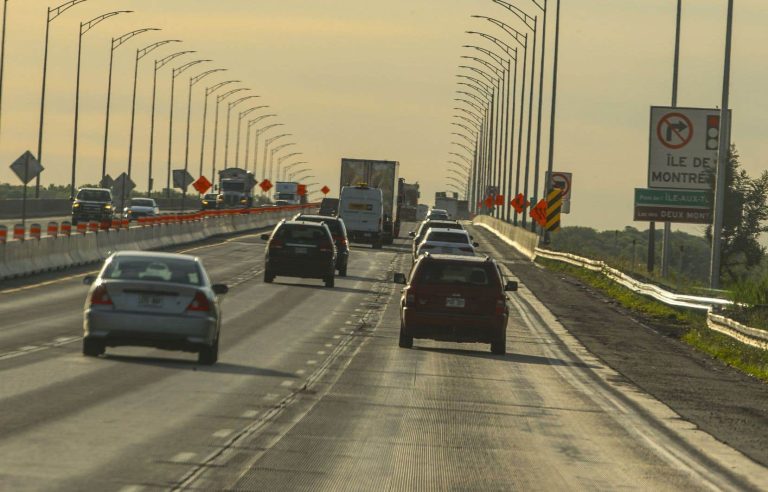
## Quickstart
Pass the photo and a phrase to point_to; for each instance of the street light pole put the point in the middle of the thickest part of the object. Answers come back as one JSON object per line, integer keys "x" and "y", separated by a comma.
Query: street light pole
{"x": 256, "y": 149}
{"x": 267, "y": 143}
{"x": 53, "y": 13}
{"x": 2, "y": 57}
{"x": 116, "y": 43}
{"x": 291, "y": 166}
{"x": 229, "y": 118}
{"x": 219, "y": 99}
{"x": 208, "y": 92}
{"x": 240, "y": 117}
{"x": 84, "y": 28}
{"x": 250, "y": 125}
{"x": 272, "y": 157}
{"x": 174, "y": 74}
{"x": 158, "y": 65}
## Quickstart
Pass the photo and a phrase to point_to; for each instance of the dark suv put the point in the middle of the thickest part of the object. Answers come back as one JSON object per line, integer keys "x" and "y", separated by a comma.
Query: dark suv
{"x": 92, "y": 204}
{"x": 300, "y": 249}
{"x": 457, "y": 299}
{"x": 339, "y": 233}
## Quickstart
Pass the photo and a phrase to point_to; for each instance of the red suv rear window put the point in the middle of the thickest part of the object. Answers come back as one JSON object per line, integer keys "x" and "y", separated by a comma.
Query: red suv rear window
{"x": 456, "y": 273}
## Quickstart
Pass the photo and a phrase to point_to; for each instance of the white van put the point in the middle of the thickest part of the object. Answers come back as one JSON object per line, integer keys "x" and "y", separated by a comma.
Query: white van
{"x": 362, "y": 209}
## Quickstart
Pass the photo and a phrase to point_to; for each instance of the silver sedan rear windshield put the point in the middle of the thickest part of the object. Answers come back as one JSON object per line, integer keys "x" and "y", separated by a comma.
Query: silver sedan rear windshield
{"x": 154, "y": 270}
{"x": 447, "y": 237}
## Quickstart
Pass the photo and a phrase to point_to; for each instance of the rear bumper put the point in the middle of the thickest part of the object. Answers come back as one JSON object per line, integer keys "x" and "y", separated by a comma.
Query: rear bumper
{"x": 115, "y": 328}
{"x": 365, "y": 237}
{"x": 292, "y": 267}
{"x": 450, "y": 327}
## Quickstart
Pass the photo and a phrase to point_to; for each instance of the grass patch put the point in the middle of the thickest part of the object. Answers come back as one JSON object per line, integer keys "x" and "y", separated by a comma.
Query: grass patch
{"x": 749, "y": 360}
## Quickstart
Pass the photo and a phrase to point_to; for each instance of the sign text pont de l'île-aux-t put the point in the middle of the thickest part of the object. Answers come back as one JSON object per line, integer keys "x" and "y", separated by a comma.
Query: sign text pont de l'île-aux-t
{"x": 683, "y": 147}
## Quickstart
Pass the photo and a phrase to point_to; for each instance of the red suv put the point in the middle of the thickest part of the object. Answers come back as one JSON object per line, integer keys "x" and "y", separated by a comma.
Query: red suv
{"x": 456, "y": 299}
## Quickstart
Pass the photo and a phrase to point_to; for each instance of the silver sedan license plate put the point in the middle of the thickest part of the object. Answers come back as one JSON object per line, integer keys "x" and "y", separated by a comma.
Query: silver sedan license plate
{"x": 150, "y": 300}
{"x": 455, "y": 302}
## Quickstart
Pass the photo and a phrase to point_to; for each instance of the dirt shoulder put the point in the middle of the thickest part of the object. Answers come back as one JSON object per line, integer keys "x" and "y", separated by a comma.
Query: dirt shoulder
{"x": 720, "y": 400}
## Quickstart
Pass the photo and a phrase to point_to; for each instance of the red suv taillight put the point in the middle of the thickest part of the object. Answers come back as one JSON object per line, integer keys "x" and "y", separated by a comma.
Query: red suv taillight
{"x": 100, "y": 296}
{"x": 199, "y": 303}
{"x": 341, "y": 240}
{"x": 501, "y": 306}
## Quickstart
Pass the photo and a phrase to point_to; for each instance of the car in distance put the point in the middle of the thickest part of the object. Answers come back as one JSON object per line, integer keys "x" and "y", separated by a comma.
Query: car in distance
{"x": 438, "y": 214}
{"x": 457, "y": 299}
{"x": 447, "y": 241}
{"x": 329, "y": 206}
{"x": 424, "y": 227}
{"x": 141, "y": 207}
{"x": 300, "y": 249}
{"x": 150, "y": 299}
{"x": 92, "y": 204}
{"x": 211, "y": 201}
{"x": 339, "y": 233}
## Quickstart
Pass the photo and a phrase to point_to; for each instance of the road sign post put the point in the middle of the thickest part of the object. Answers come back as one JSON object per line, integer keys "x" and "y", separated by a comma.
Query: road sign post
{"x": 26, "y": 169}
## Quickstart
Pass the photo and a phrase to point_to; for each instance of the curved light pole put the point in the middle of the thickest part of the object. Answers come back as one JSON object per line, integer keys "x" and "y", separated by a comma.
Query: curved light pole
{"x": 140, "y": 53}
{"x": 248, "y": 127}
{"x": 464, "y": 167}
{"x": 467, "y": 160}
{"x": 53, "y": 13}
{"x": 240, "y": 117}
{"x": 116, "y": 43}
{"x": 84, "y": 28}
{"x": 174, "y": 74}
{"x": 267, "y": 143}
{"x": 522, "y": 39}
{"x": 292, "y": 176}
{"x": 469, "y": 140}
{"x": 208, "y": 91}
{"x": 283, "y": 158}
{"x": 303, "y": 178}
{"x": 291, "y": 166}
{"x": 231, "y": 105}
{"x": 464, "y": 175}
{"x": 476, "y": 122}
{"x": 219, "y": 100}
{"x": 192, "y": 82}
{"x": 272, "y": 172}
{"x": 158, "y": 65}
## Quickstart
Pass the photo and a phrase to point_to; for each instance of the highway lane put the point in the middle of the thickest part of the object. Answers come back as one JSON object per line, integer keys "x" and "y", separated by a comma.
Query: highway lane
{"x": 312, "y": 392}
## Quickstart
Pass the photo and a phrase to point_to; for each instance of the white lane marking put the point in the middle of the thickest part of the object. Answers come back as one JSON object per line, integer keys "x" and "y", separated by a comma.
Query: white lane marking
{"x": 287, "y": 384}
{"x": 223, "y": 433}
{"x": 50, "y": 282}
{"x": 328, "y": 345}
{"x": 349, "y": 322}
{"x": 321, "y": 352}
{"x": 250, "y": 414}
{"x": 183, "y": 457}
{"x": 27, "y": 348}
{"x": 30, "y": 349}
{"x": 271, "y": 397}
{"x": 311, "y": 362}
{"x": 336, "y": 337}
{"x": 301, "y": 372}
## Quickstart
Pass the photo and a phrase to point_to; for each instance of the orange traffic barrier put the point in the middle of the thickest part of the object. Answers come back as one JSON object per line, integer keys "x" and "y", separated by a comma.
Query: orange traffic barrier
{"x": 18, "y": 232}
{"x": 3, "y": 234}
{"x": 53, "y": 229}
{"x": 115, "y": 223}
{"x": 35, "y": 231}
{"x": 126, "y": 224}
{"x": 82, "y": 227}
{"x": 66, "y": 228}
{"x": 93, "y": 226}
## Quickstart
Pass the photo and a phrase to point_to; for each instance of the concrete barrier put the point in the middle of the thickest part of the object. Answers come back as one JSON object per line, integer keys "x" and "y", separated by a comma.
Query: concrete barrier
{"x": 521, "y": 239}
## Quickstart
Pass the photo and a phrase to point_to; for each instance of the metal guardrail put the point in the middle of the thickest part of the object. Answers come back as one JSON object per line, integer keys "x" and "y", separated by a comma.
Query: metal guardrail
{"x": 753, "y": 337}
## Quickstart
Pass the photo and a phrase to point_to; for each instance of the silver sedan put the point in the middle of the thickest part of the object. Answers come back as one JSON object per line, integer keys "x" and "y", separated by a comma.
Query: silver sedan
{"x": 151, "y": 299}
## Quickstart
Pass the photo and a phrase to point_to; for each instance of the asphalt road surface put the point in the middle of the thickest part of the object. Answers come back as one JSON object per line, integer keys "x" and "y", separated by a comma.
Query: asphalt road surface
{"x": 312, "y": 393}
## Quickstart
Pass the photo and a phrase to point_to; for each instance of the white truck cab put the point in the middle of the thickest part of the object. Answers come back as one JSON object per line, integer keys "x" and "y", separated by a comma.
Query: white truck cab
{"x": 362, "y": 209}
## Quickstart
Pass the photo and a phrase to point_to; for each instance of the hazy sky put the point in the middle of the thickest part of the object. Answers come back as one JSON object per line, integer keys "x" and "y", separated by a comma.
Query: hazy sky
{"x": 377, "y": 79}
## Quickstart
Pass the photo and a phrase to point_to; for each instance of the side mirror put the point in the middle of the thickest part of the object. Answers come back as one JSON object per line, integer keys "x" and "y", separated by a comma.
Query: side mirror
{"x": 265, "y": 237}
{"x": 476, "y": 245}
{"x": 511, "y": 286}
{"x": 400, "y": 278}
{"x": 89, "y": 279}
{"x": 219, "y": 289}
{"x": 411, "y": 234}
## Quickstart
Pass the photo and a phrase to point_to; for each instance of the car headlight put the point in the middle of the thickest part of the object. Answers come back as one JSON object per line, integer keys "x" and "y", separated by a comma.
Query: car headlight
{"x": 76, "y": 205}
{"x": 107, "y": 207}
{"x": 205, "y": 202}
{"x": 243, "y": 200}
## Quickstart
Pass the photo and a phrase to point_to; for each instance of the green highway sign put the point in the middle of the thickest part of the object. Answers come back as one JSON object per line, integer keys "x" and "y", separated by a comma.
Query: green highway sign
{"x": 672, "y": 198}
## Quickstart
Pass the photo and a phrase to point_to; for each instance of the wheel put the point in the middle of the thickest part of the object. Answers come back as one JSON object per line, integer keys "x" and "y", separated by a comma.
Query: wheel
{"x": 405, "y": 341}
{"x": 92, "y": 348}
{"x": 330, "y": 281}
{"x": 268, "y": 277}
{"x": 499, "y": 347}
{"x": 209, "y": 355}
